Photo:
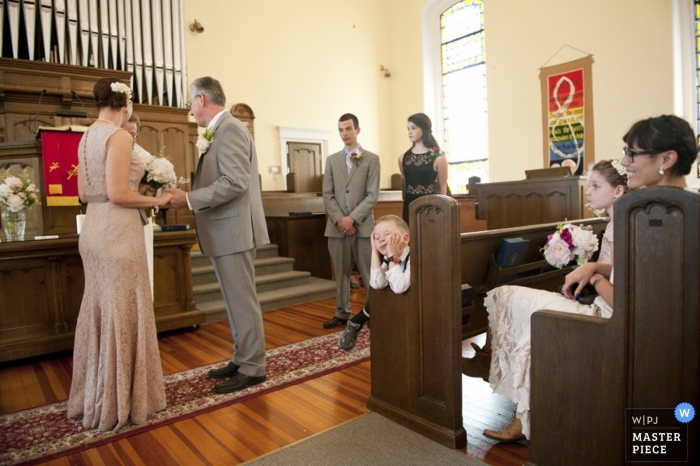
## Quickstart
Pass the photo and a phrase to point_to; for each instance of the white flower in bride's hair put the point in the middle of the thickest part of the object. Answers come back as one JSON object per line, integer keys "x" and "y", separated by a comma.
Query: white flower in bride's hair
{"x": 121, "y": 88}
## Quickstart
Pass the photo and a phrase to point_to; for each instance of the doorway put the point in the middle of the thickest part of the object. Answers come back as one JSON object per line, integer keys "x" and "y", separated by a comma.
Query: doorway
{"x": 305, "y": 159}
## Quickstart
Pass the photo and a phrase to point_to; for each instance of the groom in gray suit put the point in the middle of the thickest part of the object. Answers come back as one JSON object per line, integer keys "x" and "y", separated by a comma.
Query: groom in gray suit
{"x": 350, "y": 191}
{"x": 227, "y": 205}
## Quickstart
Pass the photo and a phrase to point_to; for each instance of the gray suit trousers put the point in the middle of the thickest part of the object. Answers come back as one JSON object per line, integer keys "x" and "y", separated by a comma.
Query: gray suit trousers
{"x": 343, "y": 250}
{"x": 236, "y": 276}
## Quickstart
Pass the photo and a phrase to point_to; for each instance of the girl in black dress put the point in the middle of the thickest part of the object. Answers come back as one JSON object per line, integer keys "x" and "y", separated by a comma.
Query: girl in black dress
{"x": 424, "y": 166}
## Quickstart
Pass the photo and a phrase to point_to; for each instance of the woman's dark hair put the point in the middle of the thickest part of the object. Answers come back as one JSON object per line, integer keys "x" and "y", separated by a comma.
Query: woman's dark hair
{"x": 609, "y": 171}
{"x": 664, "y": 133}
{"x": 422, "y": 121}
{"x": 106, "y": 97}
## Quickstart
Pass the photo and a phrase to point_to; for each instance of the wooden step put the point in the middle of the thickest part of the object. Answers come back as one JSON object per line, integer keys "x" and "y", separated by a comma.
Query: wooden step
{"x": 276, "y": 282}
{"x": 313, "y": 289}
{"x": 203, "y": 274}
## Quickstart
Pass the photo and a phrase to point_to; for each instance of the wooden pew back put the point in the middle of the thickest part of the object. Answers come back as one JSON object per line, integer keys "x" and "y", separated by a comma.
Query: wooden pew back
{"x": 587, "y": 371}
{"x": 417, "y": 335}
{"x": 478, "y": 268}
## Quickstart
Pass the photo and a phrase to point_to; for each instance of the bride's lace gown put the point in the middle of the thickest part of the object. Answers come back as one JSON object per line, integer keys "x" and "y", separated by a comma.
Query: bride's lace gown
{"x": 117, "y": 374}
{"x": 510, "y": 309}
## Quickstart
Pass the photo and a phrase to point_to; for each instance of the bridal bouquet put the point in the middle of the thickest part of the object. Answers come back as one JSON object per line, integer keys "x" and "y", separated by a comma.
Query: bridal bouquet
{"x": 570, "y": 242}
{"x": 17, "y": 192}
{"x": 160, "y": 172}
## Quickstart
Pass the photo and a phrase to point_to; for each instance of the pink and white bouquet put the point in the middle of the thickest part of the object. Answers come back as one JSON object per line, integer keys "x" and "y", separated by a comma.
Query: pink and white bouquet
{"x": 17, "y": 192}
{"x": 570, "y": 242}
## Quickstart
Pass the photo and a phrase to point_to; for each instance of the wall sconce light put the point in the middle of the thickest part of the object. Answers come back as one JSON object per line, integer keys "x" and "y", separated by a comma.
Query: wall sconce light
{"x": 386, "y": 71}
{"x": 196, "y": 27}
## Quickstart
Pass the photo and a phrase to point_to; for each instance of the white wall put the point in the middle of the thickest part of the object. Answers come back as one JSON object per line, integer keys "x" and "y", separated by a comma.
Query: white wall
{"x": 303, "y": 63}
{"x": 300, "y": 63}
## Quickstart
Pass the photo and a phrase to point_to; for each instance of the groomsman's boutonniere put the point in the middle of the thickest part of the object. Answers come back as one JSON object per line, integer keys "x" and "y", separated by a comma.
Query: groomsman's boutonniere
{"x": 205, "y": 139}
{"x": 434, "y": 152}
{"x": 356, "y": 156}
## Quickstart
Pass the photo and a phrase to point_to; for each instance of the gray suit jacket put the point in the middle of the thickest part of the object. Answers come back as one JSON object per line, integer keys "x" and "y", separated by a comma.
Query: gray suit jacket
{"x": 353, "y": 194}
{"x": 226, "y": 197}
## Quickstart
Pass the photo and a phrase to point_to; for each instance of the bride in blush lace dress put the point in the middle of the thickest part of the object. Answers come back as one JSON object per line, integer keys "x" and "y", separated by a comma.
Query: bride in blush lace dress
{"x": 117, "y": 374}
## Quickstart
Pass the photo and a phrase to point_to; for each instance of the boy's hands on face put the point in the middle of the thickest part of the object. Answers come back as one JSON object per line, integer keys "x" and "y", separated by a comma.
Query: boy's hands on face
{"x": 394, "y": 245}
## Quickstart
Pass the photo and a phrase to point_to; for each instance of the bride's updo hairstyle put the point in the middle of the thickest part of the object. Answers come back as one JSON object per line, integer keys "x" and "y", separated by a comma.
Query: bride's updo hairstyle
{"x": 112, "y": 93}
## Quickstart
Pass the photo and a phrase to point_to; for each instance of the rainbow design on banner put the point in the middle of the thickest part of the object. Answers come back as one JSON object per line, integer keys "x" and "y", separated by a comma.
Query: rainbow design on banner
{"x": 565, "y": 95}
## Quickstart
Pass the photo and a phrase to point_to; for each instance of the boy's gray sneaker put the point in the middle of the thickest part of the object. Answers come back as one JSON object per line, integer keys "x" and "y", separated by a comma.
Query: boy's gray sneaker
{"x": 349, "y": 336}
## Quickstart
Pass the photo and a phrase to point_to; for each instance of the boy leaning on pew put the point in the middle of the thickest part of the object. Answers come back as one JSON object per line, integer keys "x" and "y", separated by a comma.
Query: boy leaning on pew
{"x": 390, "y": 266}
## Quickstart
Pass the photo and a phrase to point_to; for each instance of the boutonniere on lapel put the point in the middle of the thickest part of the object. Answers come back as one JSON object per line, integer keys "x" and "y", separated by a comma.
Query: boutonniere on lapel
{"x": 205, "y": 139}
{"x": 356, "y": 156}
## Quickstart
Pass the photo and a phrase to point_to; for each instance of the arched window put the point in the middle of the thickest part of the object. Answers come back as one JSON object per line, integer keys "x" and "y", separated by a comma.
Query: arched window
{"x": 463, "y": 100}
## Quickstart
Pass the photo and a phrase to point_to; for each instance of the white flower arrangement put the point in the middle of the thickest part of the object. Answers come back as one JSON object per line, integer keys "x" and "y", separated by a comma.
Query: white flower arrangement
{"x": 17, "y": 192}
{"x": 121, "y": 88}
{"x": 204, "y": 140}
{"x": 570, "y": 242}
{"x": 160, "y": 172}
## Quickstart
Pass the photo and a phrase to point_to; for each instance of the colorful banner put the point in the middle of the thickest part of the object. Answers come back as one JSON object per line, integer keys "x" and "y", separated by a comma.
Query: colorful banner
{"x": 59, "y": 152}
{"x": 568, "y": 114}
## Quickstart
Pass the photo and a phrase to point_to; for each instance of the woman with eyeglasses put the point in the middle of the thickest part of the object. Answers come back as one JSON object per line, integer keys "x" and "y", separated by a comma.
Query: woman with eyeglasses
{"x": 659, "y": 151}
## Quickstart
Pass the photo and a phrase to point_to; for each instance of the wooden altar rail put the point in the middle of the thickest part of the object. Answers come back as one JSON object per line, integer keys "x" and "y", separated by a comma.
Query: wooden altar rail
{"x": 587, "y": 371}
{"x": 417, "y": 335}
{"x": 41, "y": 288}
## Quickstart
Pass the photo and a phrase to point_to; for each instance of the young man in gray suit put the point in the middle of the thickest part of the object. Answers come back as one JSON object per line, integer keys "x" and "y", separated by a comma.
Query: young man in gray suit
{"x": 227, "y": 205}
{"x": 350, "y": 191}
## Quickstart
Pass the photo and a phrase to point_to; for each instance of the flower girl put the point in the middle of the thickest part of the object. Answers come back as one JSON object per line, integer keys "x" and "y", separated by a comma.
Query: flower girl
{"x": 505, "y": 359}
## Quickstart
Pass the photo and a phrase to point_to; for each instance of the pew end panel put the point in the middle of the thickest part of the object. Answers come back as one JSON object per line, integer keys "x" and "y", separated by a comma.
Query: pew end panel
{"x": 586, "y": 374}
{"x": 416, "y": 344}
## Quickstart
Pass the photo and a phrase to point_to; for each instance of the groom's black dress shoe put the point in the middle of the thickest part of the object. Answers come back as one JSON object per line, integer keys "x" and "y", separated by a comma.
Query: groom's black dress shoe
{"x": 238, "y": 382}
{"x": 225, "y": 372}
{"x": 335, "y": 322}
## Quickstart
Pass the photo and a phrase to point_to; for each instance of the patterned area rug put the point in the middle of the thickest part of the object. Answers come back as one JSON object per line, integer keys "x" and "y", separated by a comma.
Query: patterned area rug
{"x": 43, "y": 433}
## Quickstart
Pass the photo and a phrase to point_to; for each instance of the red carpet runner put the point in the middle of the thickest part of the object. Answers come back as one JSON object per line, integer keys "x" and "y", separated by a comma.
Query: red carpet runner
{"x": 43, "y": 433}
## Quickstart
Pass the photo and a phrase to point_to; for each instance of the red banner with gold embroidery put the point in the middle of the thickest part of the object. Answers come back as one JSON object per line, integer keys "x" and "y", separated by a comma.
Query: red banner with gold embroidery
{"x": 59, "y": 152}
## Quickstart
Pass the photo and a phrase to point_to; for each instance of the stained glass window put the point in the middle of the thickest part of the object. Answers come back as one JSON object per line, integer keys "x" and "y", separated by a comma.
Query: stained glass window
{"x": 463, "y": 60}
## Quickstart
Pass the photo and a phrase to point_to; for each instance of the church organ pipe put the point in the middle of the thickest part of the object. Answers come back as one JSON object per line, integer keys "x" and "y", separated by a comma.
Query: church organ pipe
{"x": 144, "y": 37}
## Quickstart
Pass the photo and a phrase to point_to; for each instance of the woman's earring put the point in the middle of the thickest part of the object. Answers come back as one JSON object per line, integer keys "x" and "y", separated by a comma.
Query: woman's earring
{"x": 661, "y": 171}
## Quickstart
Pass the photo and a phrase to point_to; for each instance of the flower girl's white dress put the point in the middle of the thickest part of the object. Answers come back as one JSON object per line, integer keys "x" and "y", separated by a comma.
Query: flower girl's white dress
{"x": 117, "y": 374}
{"x": 510, "y": 309}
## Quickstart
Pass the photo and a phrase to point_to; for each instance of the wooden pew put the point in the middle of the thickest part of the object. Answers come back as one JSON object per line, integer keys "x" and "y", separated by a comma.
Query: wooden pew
{"x": 417, "y": 335}
{"x": 527, "y": 202}
{"x": 587, "y": 371}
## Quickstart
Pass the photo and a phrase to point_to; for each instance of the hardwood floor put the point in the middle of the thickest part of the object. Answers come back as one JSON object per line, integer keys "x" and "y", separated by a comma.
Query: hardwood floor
{"x": 246, "y": 430}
